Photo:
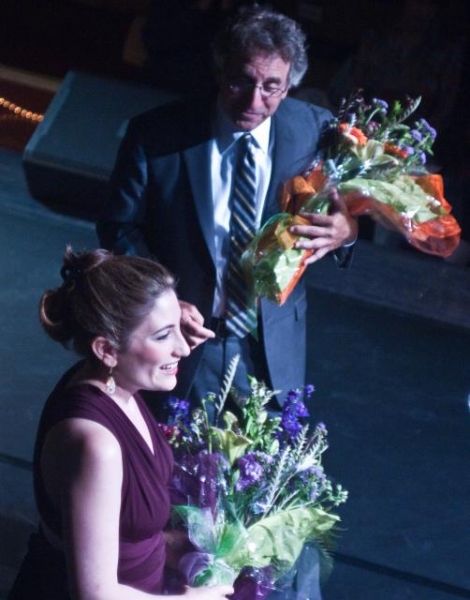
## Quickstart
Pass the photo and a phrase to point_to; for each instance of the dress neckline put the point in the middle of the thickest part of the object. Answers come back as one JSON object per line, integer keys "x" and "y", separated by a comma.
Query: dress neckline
{"x": 116, "y": 407}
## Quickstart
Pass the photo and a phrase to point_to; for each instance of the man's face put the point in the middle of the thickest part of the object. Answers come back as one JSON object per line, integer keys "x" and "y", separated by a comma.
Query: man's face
{"x": 253, "y": 88}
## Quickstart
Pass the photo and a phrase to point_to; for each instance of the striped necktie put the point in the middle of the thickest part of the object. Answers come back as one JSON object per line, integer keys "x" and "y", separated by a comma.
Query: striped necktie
{"x": 240, "y": 311}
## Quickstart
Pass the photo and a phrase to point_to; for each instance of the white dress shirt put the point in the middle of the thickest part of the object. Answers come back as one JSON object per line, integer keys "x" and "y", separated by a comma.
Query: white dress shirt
{"x": 223, "y": 160}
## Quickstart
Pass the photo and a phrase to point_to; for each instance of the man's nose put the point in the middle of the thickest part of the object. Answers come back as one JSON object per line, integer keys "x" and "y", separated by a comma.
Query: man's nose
{"x": 256, "y": 95}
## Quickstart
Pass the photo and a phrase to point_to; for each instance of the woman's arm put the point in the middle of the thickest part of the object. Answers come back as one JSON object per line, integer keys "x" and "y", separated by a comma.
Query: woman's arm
{"x": 89, "y": 463}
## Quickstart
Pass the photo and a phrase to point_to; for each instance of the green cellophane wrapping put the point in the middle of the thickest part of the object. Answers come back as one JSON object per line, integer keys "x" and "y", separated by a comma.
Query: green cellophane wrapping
{"x": 228, "y": 546}
{"x": 272, "y": 260}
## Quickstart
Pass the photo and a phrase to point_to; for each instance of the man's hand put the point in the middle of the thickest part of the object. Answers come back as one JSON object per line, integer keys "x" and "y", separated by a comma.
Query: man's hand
{"x": 192, "y": 325}
{"x": 326, "y": 232}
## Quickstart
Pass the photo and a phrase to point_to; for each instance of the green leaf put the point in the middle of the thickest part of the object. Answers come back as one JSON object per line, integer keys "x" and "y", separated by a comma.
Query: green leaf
{"x": 282, "y": 535}
{"x": 232, "y": 445}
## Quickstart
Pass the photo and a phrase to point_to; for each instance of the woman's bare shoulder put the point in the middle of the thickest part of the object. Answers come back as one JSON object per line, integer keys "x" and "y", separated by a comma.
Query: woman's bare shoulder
{"x": 84, "y": 440}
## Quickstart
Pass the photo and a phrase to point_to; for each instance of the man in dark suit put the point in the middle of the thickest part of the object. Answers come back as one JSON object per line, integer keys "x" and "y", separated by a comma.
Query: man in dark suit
{"x": 171, "y": 198}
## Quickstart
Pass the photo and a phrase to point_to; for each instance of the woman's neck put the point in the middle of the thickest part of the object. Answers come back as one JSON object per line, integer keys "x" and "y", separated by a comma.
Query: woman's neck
{"x": 97, "y": 375}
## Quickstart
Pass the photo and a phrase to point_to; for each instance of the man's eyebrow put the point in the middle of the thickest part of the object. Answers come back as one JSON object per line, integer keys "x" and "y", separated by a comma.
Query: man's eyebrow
{"x": 250, "y": 77}
{"x": 273, "y": 79}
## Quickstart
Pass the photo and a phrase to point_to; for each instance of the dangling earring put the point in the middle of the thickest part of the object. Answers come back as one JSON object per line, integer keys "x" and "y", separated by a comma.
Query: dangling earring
{"x": 110, "y": 383}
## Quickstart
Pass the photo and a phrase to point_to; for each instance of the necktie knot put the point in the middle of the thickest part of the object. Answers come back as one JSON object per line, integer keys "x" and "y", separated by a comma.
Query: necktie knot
{"x": 246, "y": 142}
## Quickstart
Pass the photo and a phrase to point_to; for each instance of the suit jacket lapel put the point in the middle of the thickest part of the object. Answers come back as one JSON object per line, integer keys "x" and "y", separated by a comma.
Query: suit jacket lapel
{"x": 198, "y": 163}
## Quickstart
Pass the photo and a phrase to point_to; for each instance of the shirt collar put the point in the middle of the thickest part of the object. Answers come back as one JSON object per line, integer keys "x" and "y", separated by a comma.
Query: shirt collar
{"x": 225, "y": 133}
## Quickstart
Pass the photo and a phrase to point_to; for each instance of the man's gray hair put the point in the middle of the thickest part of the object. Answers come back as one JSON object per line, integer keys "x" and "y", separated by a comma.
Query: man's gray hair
{"x": 256, "y": 29}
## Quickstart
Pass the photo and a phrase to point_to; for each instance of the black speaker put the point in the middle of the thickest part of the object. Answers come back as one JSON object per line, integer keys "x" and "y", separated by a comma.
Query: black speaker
{"x": 69, "y": 157}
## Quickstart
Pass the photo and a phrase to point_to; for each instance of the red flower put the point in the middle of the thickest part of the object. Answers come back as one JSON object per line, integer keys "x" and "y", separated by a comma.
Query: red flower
{"x": 355, "y": 133}
{"x": 169, "y": 431}
{"x": 392, "y": 149}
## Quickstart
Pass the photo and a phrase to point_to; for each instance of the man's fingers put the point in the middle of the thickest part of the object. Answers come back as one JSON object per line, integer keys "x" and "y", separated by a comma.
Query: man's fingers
{"x": 190, "y": 313}
{"x": 317, "y": 255}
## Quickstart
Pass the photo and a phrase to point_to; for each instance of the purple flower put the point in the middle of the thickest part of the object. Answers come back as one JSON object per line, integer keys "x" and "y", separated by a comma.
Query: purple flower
{"x": 265, "y": 459}
{"x": 318, "y": 472}
{"x": 294, "y": 409}
{"x": 295, "y": 406}
{"x": 290, "y": 425}
{"x": 371, "y": 128}
{"x": 254, "y": 584}
{"x": 416, "y": 135}
{"x": 300, "y": 409}
{"x": 293, "y": 395}
{"x": 427, "y": 128}
{"x": 313, "y": 492}
{"x": 178, "y": 407}
{"x": 378, "y": 103}
{"x": 197, "y": 479}
{"x": 422, "y": 157}
{"x": 313, "y": 481}
{"x": 309, "y": 389}
{"x": 250, "y": 469}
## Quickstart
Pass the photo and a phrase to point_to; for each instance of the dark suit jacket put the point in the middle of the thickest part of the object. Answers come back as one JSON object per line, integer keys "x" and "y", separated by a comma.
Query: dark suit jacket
{"x": 161, "y": 205}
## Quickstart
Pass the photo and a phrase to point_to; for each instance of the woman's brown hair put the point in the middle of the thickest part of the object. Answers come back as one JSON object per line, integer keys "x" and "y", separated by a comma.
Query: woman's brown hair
{"x": 101, "y": 295}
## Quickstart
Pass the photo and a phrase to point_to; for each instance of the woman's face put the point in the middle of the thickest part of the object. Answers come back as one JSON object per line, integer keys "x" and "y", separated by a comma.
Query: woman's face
{"x": 150, "y": 361}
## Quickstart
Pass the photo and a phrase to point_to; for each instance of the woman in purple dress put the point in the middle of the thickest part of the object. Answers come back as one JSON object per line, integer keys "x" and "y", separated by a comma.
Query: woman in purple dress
{"x": 101, "y": 464}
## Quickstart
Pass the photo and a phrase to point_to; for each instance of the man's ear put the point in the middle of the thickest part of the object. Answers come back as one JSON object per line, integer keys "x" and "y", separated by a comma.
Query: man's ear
{"x": 105, "y": 351}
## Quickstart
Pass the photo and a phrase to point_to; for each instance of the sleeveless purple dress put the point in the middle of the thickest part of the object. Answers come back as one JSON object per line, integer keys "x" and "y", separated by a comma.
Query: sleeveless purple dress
{"x": 145, "y": 503}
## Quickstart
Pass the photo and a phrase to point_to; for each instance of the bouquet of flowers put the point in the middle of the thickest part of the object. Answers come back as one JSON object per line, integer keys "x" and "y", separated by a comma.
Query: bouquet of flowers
{"x": 250, "y": 489}
{"x": 377, "y": 163}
